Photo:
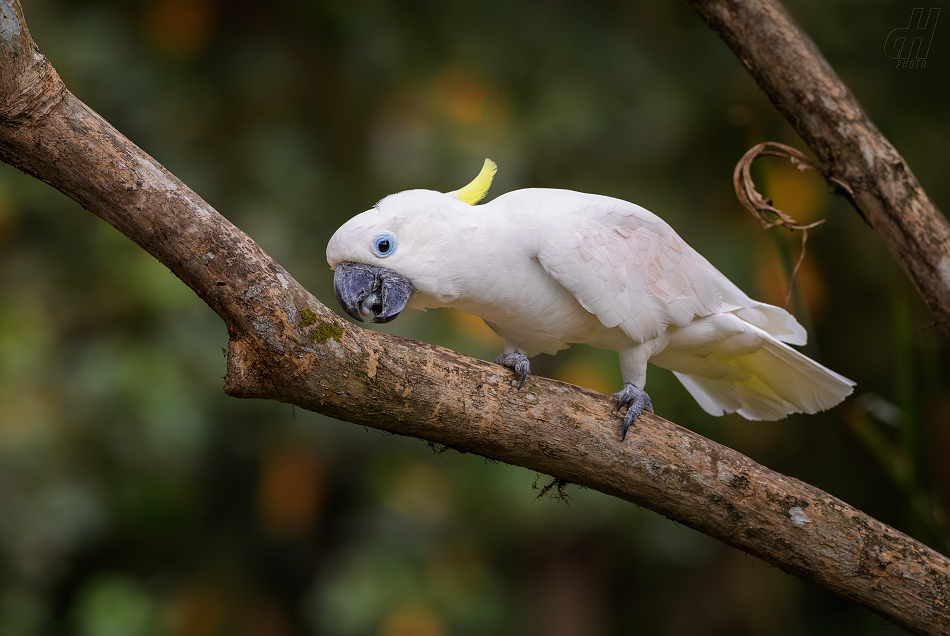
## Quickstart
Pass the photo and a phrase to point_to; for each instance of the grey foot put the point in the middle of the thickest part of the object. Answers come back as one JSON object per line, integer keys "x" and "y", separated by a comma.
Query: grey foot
{"x": 636, "y": 401}
{"x": 516, "y": 361}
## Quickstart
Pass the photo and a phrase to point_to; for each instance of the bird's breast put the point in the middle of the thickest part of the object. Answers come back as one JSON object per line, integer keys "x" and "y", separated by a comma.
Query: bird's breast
{"x": 531, "y": 310}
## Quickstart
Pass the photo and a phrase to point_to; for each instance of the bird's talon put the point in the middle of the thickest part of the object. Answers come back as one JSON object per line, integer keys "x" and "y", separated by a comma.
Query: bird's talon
{"x": 518, "y": 362}
{"x": 623, "y": 430}
{"x": 637, "y": 401}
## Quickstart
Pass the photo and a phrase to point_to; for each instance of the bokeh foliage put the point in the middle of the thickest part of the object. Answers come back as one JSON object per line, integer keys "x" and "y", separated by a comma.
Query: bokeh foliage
{"x": 137, "y": 499}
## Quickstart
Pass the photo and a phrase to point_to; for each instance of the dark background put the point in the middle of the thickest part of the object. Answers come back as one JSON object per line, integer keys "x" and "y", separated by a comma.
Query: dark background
{"x": 137, "y": 499}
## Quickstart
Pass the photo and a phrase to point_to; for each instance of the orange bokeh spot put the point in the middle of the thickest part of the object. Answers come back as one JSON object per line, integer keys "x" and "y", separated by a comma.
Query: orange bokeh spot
{"x": 801, "y": 195}
{"x": 179, "y": 28}
{"x": 412, "y": 620}
{"x": 588, "y": 374}
{"x": 289, "y": 492}
{"x": 771, "y": 279}
{"x": 199, "y": 609}
{"x": 474, "y": 328}
{"x": 460, "y": 96}
{"x": 210, "y": 605}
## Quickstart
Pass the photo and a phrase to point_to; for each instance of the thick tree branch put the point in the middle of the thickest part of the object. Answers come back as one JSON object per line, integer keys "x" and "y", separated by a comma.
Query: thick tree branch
{"x": 788, "y": 66}
{"x": 285, "y": 345}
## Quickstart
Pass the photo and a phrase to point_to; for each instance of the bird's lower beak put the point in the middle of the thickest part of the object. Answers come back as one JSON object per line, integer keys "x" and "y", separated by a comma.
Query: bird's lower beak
{"x": 363, "y": 290}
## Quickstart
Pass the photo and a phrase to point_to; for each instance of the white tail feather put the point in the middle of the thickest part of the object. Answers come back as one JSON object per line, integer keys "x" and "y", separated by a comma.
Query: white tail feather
{"x": 774, "y": 321}
{"x": 767, "y": 383}
{"x": 769, "y": 318}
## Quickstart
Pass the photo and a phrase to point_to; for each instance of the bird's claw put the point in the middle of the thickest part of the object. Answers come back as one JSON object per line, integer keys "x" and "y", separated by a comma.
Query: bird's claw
{"x": 516, "y": 361}
{"x": 636, "y": 400}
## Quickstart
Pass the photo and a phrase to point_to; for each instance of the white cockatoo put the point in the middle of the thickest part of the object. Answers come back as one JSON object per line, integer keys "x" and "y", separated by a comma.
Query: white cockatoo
{"x": 547, "y": 268}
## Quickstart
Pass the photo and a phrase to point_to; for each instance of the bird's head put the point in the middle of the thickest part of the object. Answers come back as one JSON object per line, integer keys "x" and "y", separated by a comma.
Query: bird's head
{"x": 407, "y": 242}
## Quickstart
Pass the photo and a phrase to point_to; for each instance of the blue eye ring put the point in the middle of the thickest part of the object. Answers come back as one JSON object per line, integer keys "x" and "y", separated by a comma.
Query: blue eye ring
{"x": 384, "y": 244}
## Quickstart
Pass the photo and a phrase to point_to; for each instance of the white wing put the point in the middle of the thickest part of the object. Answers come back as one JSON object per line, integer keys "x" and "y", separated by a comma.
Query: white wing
{"x": 625, "y": 265}
{"x": 629, "y": 268}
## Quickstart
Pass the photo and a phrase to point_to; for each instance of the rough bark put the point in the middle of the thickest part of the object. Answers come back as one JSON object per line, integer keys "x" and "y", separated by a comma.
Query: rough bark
{"x": 285, "y": 345}
{"x": 798, "y": 80}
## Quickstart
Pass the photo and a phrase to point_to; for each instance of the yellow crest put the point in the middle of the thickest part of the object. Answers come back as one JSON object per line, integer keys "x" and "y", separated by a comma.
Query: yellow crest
{"x": 478, "y": 188}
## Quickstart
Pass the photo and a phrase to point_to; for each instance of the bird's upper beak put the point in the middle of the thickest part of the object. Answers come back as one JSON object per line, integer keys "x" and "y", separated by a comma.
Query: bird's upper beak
{"x": 363, "y": 290}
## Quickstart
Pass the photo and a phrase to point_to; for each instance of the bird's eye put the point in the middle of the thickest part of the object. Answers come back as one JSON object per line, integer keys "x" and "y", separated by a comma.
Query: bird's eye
{"x": 384, "y": 244}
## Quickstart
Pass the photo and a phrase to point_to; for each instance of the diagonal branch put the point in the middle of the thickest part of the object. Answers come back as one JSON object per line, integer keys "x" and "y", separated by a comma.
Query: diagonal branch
{"x": 285, "y": 345}
{"x": 788, "y": 66}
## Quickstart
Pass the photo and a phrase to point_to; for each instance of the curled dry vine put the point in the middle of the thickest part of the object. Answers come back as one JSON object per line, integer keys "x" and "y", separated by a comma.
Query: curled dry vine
{"x": 762, "y": 209}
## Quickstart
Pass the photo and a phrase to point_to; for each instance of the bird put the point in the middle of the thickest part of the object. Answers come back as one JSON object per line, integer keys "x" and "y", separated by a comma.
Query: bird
{"x": 546, "y": 268}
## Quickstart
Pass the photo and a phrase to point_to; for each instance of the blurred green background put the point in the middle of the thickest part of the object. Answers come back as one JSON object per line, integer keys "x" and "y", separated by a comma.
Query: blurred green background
{"x": 137, "y": 499}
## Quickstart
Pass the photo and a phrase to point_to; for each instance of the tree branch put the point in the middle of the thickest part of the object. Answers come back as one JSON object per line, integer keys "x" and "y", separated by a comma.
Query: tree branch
{"x": 285, "y": 345}
{"x": 788, "y": 66}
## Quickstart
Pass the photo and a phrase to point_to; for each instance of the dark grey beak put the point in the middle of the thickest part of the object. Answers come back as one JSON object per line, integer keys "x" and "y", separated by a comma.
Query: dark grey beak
{"x": 363, "y": 290}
